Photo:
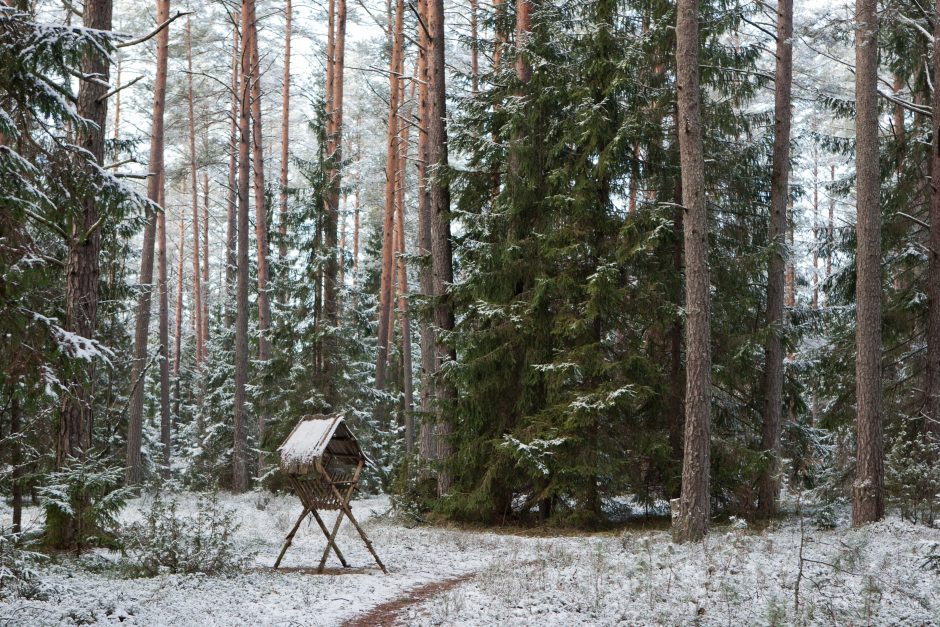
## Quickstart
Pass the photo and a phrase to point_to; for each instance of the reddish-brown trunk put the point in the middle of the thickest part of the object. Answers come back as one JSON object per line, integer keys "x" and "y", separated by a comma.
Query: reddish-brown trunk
{"x": 231, "y": 263}
{"x": 474, "y": 48}
{"x": 768, "y": 484}
{"x": 427, "y": 447}
{"x": 205, "y": 260}
{"x": 154, "y": 187}
{"x": 178, "y": 320}
{"x": 194, "y": 188}
{"x": 356, "y": 201}
{"x": 257, "y": 159}
{"x": 691, "y": 524}
{"x": 441, "y": 251}
{"x": 164, "y": 335}
{"x": 285, "y": 134}
{"x": 868, "y": 491}
{"x": 84, "y": 246}
{"x": 331, "y": 222}
{"x": 932, "y": 374}
{"x": 239, "y": 456}
{"x": 16, "y": 460}
{"x": 391, "y": 168}
{"x": 404, "y": 317}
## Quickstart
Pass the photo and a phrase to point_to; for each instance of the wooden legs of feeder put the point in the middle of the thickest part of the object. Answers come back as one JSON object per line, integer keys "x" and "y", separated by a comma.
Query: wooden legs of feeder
{"x": 324, "y": 493}
{"x": 345, "y": 509}
{"x": 330, "y": 543}
{"x": 365, "y": 539}
{"x": 290, "y": 537}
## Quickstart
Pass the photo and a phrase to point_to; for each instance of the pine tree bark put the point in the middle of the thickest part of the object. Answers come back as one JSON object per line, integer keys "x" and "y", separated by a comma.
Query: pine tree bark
{"x": 474, "y": 48}
{"x": 357, "y": 198}
{"x": 178, "y": 319}
{"x": 427, "y": 448}
{"x": 163, "y": 331}
{"x": 404, "y": 318}
{"x": 285, "y": 134}
{"x": 16, "y": 460}
{"x": 331, "y": 222}
{"x": 388, "y": 224}
{"x": 257, "y": 159}
{"x": 154, "y": 184}
{"x": 692, "y": 521}
{"x": 231, "y": 263}
{"x": 523, "y": 27}
{"x": 767, "y": 483}
{"x": 205, "y": 260}
{"x": 441, "y": 251}
{"x": 830, "y": 227}
{"x": 932, "y": 373}
{"x": 868, "y": 489}
{"x": 73, "y": 438}
{"x": 239, "y": 460}
{"x": 194, "y": 188}
{"x": 815, "y": 301}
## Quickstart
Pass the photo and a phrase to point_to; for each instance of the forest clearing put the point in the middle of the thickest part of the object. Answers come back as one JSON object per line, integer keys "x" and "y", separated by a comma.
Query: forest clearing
{"x": 469, "y": 312}
{"x": 876, "y": 576}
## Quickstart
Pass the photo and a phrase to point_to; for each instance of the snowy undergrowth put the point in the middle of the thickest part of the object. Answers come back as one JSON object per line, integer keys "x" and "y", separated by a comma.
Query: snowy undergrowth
{"x": 878, "y": 575}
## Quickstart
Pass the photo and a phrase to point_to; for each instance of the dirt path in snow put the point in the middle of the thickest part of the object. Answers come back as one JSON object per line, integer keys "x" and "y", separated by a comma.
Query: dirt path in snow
{"x": 387, "y": 613}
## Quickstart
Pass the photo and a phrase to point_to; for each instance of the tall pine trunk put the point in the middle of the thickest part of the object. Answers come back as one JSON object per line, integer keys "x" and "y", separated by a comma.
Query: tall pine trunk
{"x": 164, "y": 335}
{"x": 474, "y": 48}
{"x": 239, "y": 456}
{"x": 231, "y": 263}
{"x": 692, "y": 521}
{"x": 441, "y": 251}
{"x": 205, "y": 257}
{"x": 76, "y": 420}
{"x": 285, "y": 135}
{"x": 388, "y": 224}
{"x": 178, "y": 319}
{"x": 404, "y": 317}
{"x": 142, "y": 324}
{"x": 932, "y": 383}
{"x": 868, "y": 490}
{"x": 16, "y": 461}
{"x": 767, "y": 484}
{"x": 331, "y": 222}
{"x": 427, "y": 448}
{"x": 257, "y": 161}
{"x": 194, "y": 188}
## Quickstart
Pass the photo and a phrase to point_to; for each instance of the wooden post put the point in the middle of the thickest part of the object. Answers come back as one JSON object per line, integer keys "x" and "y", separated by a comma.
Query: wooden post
{"x": 290, "y": 536}
{"x": 344, "y": 508}
{"x": 344, "y": 504}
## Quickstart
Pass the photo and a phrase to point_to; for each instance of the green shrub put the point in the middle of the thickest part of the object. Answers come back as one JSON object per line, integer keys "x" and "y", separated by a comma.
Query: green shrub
{"x": 168, "y": 540}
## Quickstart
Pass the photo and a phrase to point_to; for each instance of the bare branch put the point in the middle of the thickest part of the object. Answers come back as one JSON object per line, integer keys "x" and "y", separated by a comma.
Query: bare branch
{"x": 153, "y": 33}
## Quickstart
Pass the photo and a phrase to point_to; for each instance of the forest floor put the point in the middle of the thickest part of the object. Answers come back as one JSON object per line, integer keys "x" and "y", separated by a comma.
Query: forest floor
{"x": 792, "y": 573}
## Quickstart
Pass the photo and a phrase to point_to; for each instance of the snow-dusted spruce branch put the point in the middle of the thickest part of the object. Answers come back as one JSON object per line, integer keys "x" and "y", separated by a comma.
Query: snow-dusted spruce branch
{"x": 153, "y": 33}
{"x": 906, "y": 20}
{"x": 41, "y": 220}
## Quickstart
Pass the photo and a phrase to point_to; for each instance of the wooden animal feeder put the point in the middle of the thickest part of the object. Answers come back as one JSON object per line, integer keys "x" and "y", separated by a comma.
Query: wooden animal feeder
{"x": 323, "y": 461}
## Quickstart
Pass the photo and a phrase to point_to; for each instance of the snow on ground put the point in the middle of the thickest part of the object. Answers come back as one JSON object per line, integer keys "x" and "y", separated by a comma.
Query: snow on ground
{"x": 877, "y": 575}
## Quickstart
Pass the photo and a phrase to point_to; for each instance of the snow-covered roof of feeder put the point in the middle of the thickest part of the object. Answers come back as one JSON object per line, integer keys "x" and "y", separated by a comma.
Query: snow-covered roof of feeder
{"x": 315, "y": 437}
